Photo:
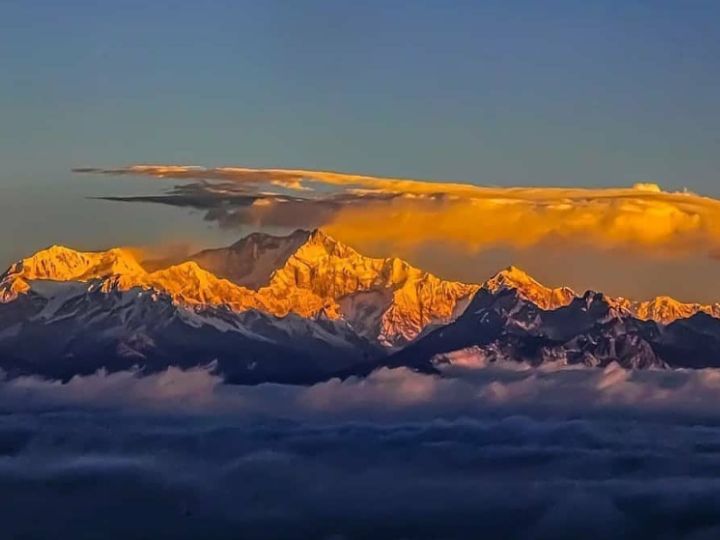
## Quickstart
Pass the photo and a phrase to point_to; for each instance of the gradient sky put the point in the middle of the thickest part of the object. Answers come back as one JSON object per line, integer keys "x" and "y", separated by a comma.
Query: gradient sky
{"x": 600, "y": 93}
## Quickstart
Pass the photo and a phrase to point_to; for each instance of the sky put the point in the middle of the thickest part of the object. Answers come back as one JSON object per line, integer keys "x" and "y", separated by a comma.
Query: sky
{"x": 495, "y": 93}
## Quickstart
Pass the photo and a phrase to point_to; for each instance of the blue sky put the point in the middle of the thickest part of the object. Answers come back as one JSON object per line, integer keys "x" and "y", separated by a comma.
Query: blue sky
{"x": 496, "y": 92}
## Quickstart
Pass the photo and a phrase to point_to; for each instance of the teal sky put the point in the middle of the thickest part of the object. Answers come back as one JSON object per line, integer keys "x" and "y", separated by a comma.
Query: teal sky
{"x": 494, "y": 92}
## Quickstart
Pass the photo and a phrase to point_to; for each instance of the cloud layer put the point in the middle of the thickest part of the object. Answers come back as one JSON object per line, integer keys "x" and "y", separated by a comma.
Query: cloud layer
{"x": 617, "y": 231}
{"x": 387, "y": 394}
{"x": 401, "y": 211}
{"x": 576, "y": 452}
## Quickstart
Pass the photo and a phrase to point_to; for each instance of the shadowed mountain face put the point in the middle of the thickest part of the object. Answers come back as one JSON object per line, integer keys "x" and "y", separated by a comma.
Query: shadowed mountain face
{"x": 117, "y": 330}
{"x": 251, "y": 261}
{"x": 305, "y": 307}
{"x": 504, "y": 326}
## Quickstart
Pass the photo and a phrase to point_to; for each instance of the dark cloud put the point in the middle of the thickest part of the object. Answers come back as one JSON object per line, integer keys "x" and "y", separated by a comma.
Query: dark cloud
{"x": 195, "y": 195}
{"x": 504, "y": 452}
{"x": 204, "y": 477}
{"x": 234, "y": 205}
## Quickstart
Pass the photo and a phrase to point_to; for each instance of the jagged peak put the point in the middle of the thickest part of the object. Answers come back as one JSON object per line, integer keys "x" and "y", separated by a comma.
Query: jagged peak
{"x": 600, "y": 302}
{"x": 320, "y": 237}
{"x": 311, "y": 235}
{"x": 513, "y": 274}
{"x": 529, "y": 288}
{"x": 591, "y": 296}
{"x": 54, "y": 249}
{"x": 318, "y": 234}
{"x": 187, "y": 267}
{"x": 61, "y": 263}
{"x": 513, "y": 277}
{"x": 664, "y": 300}
{"x": 182, "y": 274}
{"x": 54, "y": 252}
{"x": 306, "y": 244}
{"x": 514, "y": 270}
{"x": 319, "y": 244}
{"x": 260, "y": 238}
{"x": 57, "y": 251}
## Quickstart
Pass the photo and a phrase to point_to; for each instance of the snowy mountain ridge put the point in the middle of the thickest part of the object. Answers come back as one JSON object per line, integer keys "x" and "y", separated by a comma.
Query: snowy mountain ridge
{"x": 306, "y": 307}
{"x": 386, "y": 300}
{"x": 310, "y": 274}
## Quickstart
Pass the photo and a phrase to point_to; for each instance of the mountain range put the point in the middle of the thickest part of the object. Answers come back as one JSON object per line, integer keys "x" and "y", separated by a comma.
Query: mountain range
{"x": 306, "y": 307}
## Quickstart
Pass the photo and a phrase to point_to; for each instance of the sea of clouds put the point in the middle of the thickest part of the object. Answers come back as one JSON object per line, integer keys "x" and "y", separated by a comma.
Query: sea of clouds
{"x": 499, "y": 451}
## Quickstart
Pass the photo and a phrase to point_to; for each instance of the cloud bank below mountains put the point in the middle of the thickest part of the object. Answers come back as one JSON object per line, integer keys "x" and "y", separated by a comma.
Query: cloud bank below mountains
{"x": 584, "y": 238}
{"x": 387, "y": 394}
{"x": 504, "y": 450}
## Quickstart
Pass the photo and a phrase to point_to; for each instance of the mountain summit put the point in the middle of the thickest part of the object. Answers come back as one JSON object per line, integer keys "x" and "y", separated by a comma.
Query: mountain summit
{"x": 384, "y": 298}
{"x": 311, "y": 273}
{"x": 251, "y": 261}
{"x": 529, "y": 289}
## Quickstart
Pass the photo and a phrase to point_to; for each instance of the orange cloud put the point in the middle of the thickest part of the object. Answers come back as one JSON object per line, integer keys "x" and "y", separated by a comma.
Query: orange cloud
{"x": 662, "y": 223}
{"x": 405, "y": 213}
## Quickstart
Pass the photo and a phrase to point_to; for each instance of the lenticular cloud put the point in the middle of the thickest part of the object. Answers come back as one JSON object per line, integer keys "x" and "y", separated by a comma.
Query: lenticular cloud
{"x": 404, "y": 213}
{"x": 600, "y": 238}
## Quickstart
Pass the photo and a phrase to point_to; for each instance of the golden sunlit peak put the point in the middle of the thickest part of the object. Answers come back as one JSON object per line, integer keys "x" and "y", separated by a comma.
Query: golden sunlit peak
{"x": 514, "y": 271}
{"x": 512, "y": 275}
{"x": 60, "y": 263}
{"x": 320, "y": 244}
{"x": 319, "y": 235}
{"x": 515, "y": 278}
{"x": 54, "y": 250}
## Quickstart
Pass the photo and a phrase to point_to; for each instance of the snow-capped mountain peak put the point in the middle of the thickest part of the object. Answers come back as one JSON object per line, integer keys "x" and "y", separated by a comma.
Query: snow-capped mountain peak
{"x": 251, "y": 261}
{"x": 320, "y": 244}
{"x": 312, "y": 275}
{"x": 307, "y": 273}
{"x": 59, "y": 263}
{"x": 386, "y": 298}
{"x": 529, "y": 289}
{"x": 664, "y": 309}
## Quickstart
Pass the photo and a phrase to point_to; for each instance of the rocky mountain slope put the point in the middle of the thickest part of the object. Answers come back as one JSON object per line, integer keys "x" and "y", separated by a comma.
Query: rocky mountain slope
{"x": 62, "y": 329}
{"x": 306, "y": 306}
{"x": 307, "y": 273}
